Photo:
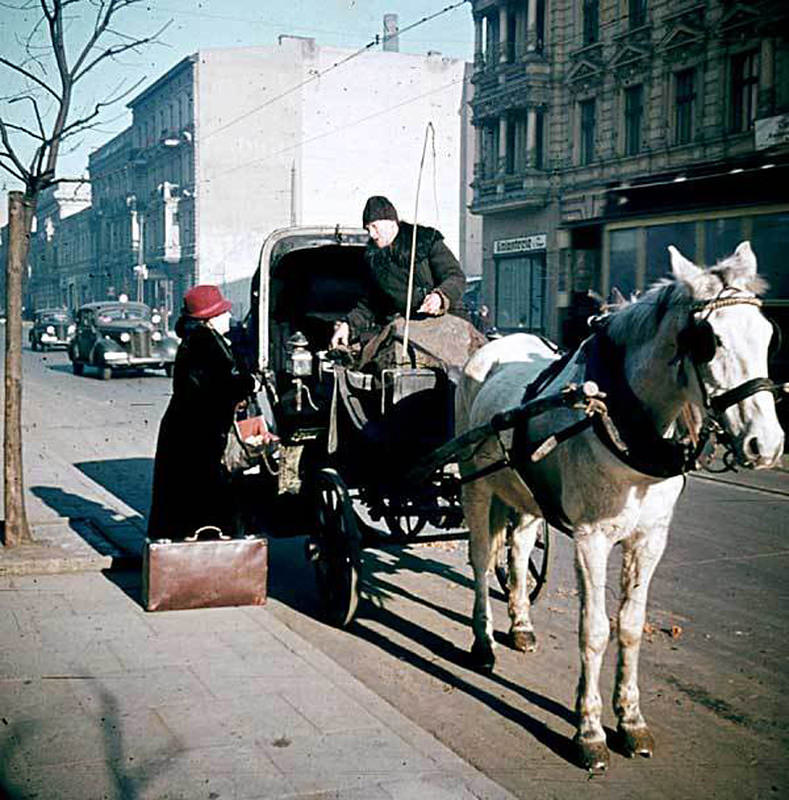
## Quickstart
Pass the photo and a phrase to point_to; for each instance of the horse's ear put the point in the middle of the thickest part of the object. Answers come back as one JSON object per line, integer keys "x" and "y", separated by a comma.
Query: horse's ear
{"x": 745, "y": 257}
{"x": 681, "y": 268}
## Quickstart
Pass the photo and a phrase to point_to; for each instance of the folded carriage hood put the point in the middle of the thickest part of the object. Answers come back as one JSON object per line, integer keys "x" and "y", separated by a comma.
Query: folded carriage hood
{"x": 279, "y": 243}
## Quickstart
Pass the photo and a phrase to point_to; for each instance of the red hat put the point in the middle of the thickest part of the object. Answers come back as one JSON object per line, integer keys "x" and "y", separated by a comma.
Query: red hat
{"x": 205, "y": 301}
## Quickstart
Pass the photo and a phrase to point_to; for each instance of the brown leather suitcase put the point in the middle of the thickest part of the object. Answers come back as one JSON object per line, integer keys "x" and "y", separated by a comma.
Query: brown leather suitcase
{"x": 201, "y": 572}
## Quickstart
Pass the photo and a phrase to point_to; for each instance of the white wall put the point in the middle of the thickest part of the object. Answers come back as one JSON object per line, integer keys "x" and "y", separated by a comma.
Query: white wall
{"x": 358, "y": 130}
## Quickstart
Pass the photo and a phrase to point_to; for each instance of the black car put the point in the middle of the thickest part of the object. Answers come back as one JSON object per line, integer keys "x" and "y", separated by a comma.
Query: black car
{"x": 117, "y": 335}
{"x": 52, "y": 327}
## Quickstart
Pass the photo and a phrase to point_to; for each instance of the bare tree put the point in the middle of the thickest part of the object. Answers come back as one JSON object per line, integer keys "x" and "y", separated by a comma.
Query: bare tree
{"x": 50, "y": 67}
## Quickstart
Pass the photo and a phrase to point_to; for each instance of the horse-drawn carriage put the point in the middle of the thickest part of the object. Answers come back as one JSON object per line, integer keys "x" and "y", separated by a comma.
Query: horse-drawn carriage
{"x": 361, "y": 439}
{"x": 597, "y": 442}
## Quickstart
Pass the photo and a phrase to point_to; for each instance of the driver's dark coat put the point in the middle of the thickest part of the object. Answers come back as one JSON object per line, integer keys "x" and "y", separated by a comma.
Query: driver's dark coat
{"x": 191, "y": 488}
{"x": 435, "y": 268}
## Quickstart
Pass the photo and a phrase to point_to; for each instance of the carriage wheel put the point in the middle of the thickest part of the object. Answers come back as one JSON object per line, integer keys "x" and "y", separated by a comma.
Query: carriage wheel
{"x": 539, "y": 563}
{"x": 335, "y": 549}
{"x": 404, "y": 525}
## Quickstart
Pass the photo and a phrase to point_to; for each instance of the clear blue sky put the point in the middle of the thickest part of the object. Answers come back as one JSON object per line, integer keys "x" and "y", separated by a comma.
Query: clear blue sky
{"x": 198, "y": 24}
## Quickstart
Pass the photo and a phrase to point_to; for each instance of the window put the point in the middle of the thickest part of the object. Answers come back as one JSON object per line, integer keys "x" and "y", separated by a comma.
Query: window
{"x": 637, "y": 12}
{"x": 510, "y": 152}
{"x": 587, "y": 131}
{"x": 684, "y": 97}
{"x": 539, "y": 153}
{"x": 634, "y": 108}
{"x": 539, "y": 25}
{"x": 744, "y": 85}
{"x": 510, "y": 43}
{"x": 520, "y": 293}
{"x": 591, "y": 21}
{"x": 490, "y": 156}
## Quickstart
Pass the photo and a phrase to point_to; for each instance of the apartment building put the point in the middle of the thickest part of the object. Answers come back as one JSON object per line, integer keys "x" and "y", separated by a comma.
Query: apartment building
{"x": 231, "y": 144}
{"x": 608, "y": 129}
{"x": 60, "y": 257}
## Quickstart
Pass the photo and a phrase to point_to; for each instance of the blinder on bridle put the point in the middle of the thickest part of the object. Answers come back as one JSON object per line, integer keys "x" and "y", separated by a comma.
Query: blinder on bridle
{"x": 698, "y": 340}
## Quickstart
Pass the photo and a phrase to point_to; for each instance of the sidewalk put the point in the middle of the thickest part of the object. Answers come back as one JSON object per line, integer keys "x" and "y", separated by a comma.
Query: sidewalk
{"x": 100, "y": 699}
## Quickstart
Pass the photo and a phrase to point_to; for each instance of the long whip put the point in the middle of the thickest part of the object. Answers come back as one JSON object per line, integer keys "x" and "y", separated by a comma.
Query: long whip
{"x": 409, "y": 295}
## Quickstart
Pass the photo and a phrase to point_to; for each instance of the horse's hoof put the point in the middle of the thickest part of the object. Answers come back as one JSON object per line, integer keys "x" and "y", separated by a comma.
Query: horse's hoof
{"x": 636, "y": 741}
{"x": 592, "y": 756}
{"x": 524, "y": 641}
{"x": 482, "y": 656}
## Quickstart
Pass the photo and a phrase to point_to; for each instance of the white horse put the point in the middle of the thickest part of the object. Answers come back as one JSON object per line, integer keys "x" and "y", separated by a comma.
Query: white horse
{"x": 697, "y": 338}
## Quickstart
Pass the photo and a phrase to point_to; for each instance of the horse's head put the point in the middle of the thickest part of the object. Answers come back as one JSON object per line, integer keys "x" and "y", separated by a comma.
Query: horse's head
{"x": 725, "y": 340}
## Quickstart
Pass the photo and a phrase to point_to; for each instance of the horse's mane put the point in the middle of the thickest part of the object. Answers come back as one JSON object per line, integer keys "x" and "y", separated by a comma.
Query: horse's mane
{"x": 637, "y": 321}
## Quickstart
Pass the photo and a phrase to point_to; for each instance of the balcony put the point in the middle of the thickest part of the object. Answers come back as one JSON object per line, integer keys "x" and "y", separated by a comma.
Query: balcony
{"x": 529, "y": 189}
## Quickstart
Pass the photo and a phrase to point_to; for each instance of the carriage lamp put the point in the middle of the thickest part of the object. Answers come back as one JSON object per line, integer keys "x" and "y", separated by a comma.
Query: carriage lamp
{"x": 299, "y": 357}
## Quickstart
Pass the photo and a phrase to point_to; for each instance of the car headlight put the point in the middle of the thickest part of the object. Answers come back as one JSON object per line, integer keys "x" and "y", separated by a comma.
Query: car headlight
{"x": 156, "y": 319}
{"x": 72, "y": 328}
{"x": 50, "y": 328}
{"x": 125, "y": 337}
{"x": 156, "y": 336}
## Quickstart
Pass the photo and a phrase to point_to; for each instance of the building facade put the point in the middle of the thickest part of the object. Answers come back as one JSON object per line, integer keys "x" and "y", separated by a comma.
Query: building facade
{"x": 61, "y": 264}
{"x": 608, "y": 129}
{"x": 231, "y": 144}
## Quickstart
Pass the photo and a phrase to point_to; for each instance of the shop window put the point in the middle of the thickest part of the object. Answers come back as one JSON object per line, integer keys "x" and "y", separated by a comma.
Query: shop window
{"x": 681, "y": 234}
{"x": 744, "y": 87}
{"x": 520, "y": 293}
{"x": 622, "y": 257}
{"x": 634, "y": 110}
{"x": 587, "y": 113}
{"x": 684, "y": 99}
{"x": 721, "y": 237}
{"x": 770, "y": 243}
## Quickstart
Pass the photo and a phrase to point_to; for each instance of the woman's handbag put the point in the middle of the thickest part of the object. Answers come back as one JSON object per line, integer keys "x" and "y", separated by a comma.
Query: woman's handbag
{"x": 203, "y": 572}
{"x": 249, "y": 443}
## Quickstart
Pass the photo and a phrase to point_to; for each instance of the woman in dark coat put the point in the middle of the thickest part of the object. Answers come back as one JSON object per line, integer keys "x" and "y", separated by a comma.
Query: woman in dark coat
{"x": 191, "y": 487}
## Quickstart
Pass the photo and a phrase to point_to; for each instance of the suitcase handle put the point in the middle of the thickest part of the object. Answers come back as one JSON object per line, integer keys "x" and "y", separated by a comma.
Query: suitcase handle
{"x": 194, "y": 537}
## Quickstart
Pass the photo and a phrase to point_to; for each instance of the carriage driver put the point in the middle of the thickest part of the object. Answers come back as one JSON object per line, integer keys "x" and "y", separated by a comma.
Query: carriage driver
{"x": 439, "y": 281}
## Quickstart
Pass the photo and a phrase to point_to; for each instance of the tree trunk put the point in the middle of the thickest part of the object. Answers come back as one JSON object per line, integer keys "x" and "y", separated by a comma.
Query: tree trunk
{"x": 20, "y": 213}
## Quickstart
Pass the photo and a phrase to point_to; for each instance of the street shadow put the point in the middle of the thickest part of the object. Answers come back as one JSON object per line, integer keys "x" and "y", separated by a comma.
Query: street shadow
{"x": 129, "y": 479}
{"x": 292, "y": 583}
{"x": 129, "y": 781}
{"x": 92, "y": 521}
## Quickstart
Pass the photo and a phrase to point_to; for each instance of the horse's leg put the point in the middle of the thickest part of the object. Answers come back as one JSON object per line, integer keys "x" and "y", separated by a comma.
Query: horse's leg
{"x": 591, "y": 555}
{"x": 477, "y": 499}
{"x": 641, "y": 553}
{"x": 524, "y": 536}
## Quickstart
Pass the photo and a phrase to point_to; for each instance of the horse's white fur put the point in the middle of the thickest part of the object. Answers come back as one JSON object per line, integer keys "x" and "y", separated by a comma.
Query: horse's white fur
{"x": 606, "y": 502}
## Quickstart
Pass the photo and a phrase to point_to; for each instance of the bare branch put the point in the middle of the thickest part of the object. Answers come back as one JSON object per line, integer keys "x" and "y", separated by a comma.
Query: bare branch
{"x": 35, "y": 109}
{"x": 21, "y": 129}
{"x": 9, "y": 169}
{"x": 29, "y": 75}
{"x": 9, "y": 151}
{"x": 117, "y": 49}
{"x": 72, "y": 127}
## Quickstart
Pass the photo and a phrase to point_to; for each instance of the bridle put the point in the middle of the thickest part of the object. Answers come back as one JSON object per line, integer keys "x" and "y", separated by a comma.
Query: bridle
{"x": 698, "y": 341}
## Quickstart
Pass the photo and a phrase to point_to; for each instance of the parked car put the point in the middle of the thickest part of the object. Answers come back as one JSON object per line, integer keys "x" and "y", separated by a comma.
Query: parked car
{"x": 116, "y": 335}
{"x": 52, "y": 327}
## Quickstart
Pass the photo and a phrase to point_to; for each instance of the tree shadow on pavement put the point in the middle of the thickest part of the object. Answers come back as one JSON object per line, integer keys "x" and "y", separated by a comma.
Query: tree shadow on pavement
{"x": 129, "y": 479}
{"x": 90, "y": 520}
{"x": 130, "y": 782}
